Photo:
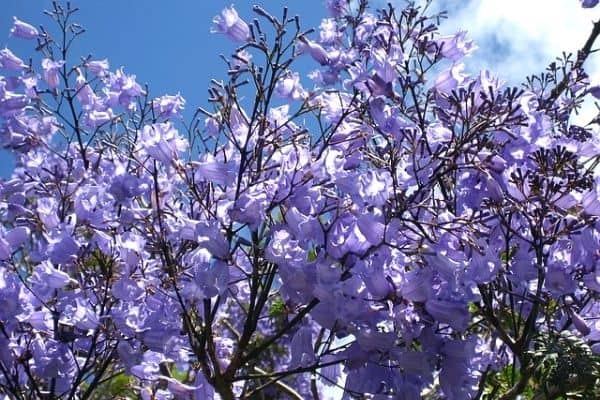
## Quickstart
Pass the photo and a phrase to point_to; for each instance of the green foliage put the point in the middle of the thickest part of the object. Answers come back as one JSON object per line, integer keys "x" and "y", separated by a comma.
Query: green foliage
{"x": 312, "y": 255}
{"x": 180, "y": 375}
{"x": 565, "y": 366}
{"x": 118, "y": 387}
{"x": 277, "y": 308}
{"x": 500, "y": 382}
{"x": 560, "y": 366}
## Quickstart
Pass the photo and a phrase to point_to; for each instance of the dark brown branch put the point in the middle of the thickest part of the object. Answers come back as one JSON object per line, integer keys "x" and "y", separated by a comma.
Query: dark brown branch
{"x": 582, "y": 56}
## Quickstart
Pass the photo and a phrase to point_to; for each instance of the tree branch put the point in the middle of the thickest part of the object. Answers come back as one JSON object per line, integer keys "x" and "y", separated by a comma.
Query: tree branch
{"x": 582, "y": 56}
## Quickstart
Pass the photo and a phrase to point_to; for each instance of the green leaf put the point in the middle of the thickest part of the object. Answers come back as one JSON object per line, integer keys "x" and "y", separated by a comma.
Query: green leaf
{"x": 312, "y": 255}
{"x": 277, "y": 309}
{"x": 119, "y": 386}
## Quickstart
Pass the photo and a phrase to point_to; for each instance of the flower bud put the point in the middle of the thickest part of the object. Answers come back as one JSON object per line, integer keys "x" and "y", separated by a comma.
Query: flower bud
{"x": 9, "y": 61}
{"x": 51, "y": 69}
{"x": 231, "y": 25}
{"x": 316, "y": 51}
{"x": 589, "y": 3}
{"x": 23, "y": 30}
{"x": 97, "y": 67}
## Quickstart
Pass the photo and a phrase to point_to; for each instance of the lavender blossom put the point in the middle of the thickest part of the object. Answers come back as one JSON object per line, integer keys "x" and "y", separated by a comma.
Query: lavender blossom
{"x": 230, "y": 24}
{"x": 23, "y": 30}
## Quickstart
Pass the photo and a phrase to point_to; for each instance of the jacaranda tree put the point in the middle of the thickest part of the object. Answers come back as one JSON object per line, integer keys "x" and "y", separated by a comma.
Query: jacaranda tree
{"x": 388, "y": 226}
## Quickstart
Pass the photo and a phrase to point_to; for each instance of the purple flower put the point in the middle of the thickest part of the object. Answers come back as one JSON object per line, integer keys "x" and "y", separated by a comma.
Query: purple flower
{"x": 30, "y": 84}
{"x": 457, "y": 46}
{"x": 63, "y": 250}
{"x": 386, "y": 62}
{"x": 578, "y": 322}
{"x": 82, "y": 315}
{"x": 47, "y": 275}
{"x": 212, "y": 126}
{"x": 366, "y": 27}
{"x": 23, "y": 30}
{"x": 11, "y": 241}
{"x": 250, "y": 208}
{"x": 204, "y": 390}
{"x": 207, "y": 280}
{"x": 303, "y": 353}
{"x": 417, "y": 285}
{"x": 289, "y": 87}
{"x": 372, "y": 227}
{"x": 452, "y": 313}
{"x": 345, "y": 236}
{"x": 126, "y": 186}
{"x": 371, "y": 340}
{"x": 375, "y": 187}
{"x": 17, "y": 236}
{"x": 493, "y": 187}
{"x": 591, "y": 203}
{"x": 329, "y": 31}
{"x": 131, "y": 247}
{"x": 450, "y": 79}
{"x": 127, "y": 289}
{"x": 51, "y": 71}
{"x": 84, "y": 93}
{"x": 122, "y": 89}
{"x": 438, "y": 133}
{"x": 592, "y": 280}
{"x": 163, "y": 142}
{"x": 149, "y": 368}
{"x": 212, "y": 238}
{"x": 336, "y": 8}
{"x": 231, "y": 25}
{"x": 9, "y": 61}
{"x": 589, "y": 3}
{"x": 373, "y": 275}
{"x": 458, "y": 378}
{"x": 483, "y": 267}
{"x": 559, "y": 280}
{"x": 47, "y": 209}
{"x": 11, "y": 104}
{"x": 98, "y": 67}
{"x": 168, "y": 106}
{"x": 94, "y": 118}
{"x": 212, "y": 170}
{"x": 316, "y": 51}
{"x": 41, "y": 320}
{"x": 10, "y": 304}
{"x": 492, "y": 161}
{"x": 595, "y": 91}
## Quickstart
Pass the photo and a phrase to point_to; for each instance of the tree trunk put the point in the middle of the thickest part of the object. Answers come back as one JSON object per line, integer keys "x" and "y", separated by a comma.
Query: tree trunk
{"x": 224, "y": 388}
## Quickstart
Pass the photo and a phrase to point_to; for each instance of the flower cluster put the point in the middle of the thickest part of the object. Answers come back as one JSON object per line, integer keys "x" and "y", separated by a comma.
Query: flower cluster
{"x": 389, "y": 225}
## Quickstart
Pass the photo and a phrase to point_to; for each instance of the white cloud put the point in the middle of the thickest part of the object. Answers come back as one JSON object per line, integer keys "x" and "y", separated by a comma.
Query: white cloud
{"x": 518, "y": 38}
{"x": 521, "y": 37}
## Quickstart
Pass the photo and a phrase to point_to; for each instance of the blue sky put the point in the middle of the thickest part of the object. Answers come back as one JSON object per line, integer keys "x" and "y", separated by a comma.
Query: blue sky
{"x": 166, "y": 44}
